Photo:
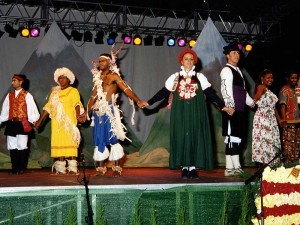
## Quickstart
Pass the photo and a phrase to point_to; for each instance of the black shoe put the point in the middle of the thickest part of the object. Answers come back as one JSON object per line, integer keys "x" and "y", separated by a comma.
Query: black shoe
{"x": 193, "y": 174}
{"x": 14, "y": 172}
{"x": 185, "y": 174}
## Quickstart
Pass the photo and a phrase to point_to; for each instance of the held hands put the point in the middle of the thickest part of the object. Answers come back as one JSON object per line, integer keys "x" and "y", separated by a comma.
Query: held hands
{"x": 142, "y": 104}
{"x": 228, "y": 110}
{"x": 37, "y": 124}
{"x": 82, "y": 117}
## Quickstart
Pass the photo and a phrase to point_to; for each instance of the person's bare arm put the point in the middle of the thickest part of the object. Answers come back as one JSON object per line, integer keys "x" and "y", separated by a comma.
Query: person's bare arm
{"x": 259, "y": 92}
{"x": 92, "y": 100}
{"x": 126, "y": 89}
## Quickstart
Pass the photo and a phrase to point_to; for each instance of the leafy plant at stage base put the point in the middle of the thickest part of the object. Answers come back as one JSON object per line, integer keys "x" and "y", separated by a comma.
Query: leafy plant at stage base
{"x": 71, "y": 218}
{"x": 38, "y": 220}
{"x": 182, "y": 218}
{"x": 224, "y": 210}
{"x": 11, "y": 216}
{"x": 100, "y": 216}
{"x": 137, "y": 219}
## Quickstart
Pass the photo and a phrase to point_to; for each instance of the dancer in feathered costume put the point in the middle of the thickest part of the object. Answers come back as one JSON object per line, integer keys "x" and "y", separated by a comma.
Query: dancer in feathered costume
{"x": 65, "y": 110}
{"x": 108, "y": 128}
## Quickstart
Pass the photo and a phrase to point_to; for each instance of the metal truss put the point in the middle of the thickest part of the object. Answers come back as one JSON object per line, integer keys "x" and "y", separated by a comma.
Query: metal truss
{"x": 91, "y": 16}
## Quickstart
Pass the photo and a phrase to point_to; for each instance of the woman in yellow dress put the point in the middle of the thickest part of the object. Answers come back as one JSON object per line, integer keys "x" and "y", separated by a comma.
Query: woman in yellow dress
{"x": 65, "y": 110}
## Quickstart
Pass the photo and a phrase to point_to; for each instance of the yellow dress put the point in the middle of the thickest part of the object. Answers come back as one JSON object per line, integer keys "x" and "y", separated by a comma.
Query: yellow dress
{"x": 65, "y": 136}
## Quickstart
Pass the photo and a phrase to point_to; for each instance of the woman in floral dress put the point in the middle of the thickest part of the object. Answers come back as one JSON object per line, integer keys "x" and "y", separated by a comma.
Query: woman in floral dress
{"x": 265, "y": 134}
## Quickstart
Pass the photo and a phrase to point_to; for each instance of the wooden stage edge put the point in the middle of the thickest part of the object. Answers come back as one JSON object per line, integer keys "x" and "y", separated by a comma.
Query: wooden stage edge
{"x": 148, "y": 178}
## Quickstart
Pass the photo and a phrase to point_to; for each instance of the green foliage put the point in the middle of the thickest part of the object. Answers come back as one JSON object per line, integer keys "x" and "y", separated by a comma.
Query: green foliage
{"x": 247, "y": 205}
{"x": 38, "y": 220}
{"x": 137, "y": 217}
{"x": 182, "y": 217}
{"x": 153, "y": 216}
{"x": 224, "y": 209}
{"x": 71, "y": 218}
{"x": 100, "y": 216}
{"x": 10, "y": 215}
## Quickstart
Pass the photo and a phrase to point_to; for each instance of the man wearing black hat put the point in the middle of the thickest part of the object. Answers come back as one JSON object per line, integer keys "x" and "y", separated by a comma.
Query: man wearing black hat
{"x": 18, "y": 111}
{"x": 235, "y": 96}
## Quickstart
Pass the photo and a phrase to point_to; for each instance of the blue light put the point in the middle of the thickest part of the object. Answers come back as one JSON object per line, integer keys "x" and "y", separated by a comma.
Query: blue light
{"x": 171, "y": 41}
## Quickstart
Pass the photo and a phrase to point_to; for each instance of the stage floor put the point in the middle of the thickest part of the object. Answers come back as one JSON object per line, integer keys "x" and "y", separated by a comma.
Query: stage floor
{"x": 146, "y": 177}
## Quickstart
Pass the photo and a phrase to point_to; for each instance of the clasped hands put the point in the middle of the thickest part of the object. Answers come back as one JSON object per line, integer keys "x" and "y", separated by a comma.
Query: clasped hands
{"x": 142, "y": 104}
{"x": 228, "y": 110}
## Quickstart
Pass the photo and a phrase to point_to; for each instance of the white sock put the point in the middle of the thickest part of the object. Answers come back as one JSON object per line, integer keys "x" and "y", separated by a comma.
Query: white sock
{"x": 236, "y": 161}
{"x": 229, "y": 164}
{"x": 192, "y": 168}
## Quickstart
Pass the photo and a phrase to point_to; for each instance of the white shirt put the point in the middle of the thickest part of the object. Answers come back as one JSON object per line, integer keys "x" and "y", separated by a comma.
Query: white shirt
{"x": 32, "y": 110}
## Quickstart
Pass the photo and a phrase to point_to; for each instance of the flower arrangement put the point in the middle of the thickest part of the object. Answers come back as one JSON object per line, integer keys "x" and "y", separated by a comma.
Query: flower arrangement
{"x": 281, "y": 196}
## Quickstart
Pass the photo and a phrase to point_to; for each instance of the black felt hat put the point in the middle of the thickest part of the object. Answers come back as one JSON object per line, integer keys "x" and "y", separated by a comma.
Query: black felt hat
{"x": 231, "y": 47}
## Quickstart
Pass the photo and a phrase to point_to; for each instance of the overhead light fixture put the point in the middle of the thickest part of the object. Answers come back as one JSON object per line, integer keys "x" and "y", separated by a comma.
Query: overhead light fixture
{"x": 88, "y": 36}
{"x": 181, "y": 42}
{"x": 34, "y": 32}
{"x": 192, "y": 42}
{"x": 11, "y": 31}
{"x": 240, "y": 46}
{"x": 137, "y": 39}
{"x": 159, "y": 41}
{"x": 24, "y": 32}
{"x": 99, "y": 37}
{"x": 148, "y": 40}
{"x": 171, "y": 41}
{"x": 126, "y": 38}
{"x": 112, "y": 38}
{"x": 77, "y": 36}
{"x": 248, "y": 47}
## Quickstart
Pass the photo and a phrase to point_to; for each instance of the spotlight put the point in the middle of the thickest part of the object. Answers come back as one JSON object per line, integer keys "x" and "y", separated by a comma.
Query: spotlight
{"x": 77, "y": 36}
{"x": 112, "y": 38}
{"x": 248, "y": 47}
{"x": 99, "y": 37}
{"x": 240, "y": 46}
{"x": 137, "y": 39}
{"x": 24, "y": 32}
{"x": 87, "y": 36}
{"x": 11, "y": 31}
{"x": 159, "y": 41}
{"x": 192, "y": 43}
{"x": 181, "y": 42}
{"x": 126, "y": 38}
{"x": 171, "y": 41}
{"x": 34, "y": 32}
{"x": 148, "y": 40}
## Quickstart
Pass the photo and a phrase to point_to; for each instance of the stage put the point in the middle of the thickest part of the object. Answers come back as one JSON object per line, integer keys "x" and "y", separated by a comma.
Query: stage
{"x": 145, "y": 193}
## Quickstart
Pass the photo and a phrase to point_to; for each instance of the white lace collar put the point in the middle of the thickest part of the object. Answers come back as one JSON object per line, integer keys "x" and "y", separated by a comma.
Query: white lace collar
{"x": 189, "y": 73}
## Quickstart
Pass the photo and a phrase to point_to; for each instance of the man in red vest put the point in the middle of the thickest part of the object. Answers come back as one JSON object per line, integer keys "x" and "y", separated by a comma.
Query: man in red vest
{"x": 18, "y": 111}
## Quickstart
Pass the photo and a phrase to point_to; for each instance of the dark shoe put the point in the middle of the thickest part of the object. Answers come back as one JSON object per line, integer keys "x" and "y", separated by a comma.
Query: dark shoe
{"x": 185, "y": 174}
{"x": 193, "y": 174}
{"x": 14, "y": 172}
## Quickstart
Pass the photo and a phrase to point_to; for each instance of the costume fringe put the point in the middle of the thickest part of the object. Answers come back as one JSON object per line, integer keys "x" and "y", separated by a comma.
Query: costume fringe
{"x": 116, "y": 152}
{"x": 99, "y": 156}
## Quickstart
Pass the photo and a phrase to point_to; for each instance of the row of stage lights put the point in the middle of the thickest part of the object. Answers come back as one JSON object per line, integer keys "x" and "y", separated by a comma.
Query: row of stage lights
{"x": 111, "y": 39}
{"x": 129, "y": 39}
{"x": 23, "y": 31}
